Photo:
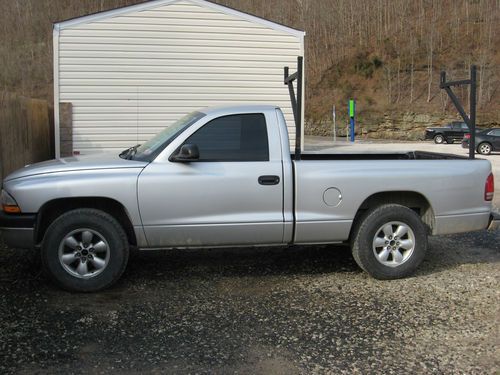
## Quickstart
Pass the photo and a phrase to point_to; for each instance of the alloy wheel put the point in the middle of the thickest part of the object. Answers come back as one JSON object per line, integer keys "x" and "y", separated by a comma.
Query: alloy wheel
{"x": 393, "y": 243}
{"x": 84, "y": 253}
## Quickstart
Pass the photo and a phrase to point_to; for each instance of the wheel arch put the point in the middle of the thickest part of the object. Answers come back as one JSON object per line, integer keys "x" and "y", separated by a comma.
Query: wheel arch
{"x": 51, "y": 210}
{"x": 411, "y": 199}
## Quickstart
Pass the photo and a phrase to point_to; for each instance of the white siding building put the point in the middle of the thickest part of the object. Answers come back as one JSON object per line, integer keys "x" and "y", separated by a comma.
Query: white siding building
{"x": 130, "y": 72}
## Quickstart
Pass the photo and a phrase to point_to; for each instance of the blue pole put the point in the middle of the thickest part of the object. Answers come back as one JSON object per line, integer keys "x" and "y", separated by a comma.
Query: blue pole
{"x": 352, "y": 129}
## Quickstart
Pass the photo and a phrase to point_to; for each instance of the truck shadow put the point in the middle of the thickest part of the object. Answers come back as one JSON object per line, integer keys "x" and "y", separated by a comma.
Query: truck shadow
{"x": 245, "y": 261}
{"x": 444, "y": 253}
{"x": 157, "y": 267}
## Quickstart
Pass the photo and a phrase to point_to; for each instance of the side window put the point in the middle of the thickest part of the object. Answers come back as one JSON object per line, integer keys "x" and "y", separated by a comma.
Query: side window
{"x": 465, "y": 127}
{"x": 495, "y": 132}
{"x": 233, "y": 138}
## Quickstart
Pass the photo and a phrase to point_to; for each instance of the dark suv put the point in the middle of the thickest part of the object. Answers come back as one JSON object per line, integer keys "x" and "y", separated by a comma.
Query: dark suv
{"x": 448, "y": 133}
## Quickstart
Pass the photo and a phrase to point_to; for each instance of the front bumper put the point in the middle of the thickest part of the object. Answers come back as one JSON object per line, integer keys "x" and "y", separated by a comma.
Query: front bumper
{"x": 18, "y": 229}
{"x": 494, "y": 223}
{"x": 429, "y": 135}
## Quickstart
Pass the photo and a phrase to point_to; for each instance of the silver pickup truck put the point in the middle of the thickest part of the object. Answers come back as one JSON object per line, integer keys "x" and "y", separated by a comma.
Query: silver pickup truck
{"x": 225, "y": 176}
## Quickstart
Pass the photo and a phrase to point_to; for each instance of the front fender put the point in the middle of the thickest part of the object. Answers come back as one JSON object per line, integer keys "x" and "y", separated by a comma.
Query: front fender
{"x": 120, "y": 184}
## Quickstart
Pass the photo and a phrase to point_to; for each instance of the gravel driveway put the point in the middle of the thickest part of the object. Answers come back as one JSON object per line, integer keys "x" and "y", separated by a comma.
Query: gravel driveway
{"x": 262, "y": 311}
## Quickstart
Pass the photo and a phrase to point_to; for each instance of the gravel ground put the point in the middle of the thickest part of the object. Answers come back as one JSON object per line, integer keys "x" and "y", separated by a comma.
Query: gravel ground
{"x": 262, "y": 311}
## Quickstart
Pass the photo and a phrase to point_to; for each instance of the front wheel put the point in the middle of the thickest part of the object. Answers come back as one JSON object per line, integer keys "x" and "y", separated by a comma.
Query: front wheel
{"x": 85, "y": 250}
{"x": 390, "y": 242}
{"x": 438, "y": 139}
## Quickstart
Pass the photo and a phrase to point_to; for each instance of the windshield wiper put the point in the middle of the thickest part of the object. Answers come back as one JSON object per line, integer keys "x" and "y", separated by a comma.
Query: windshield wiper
{"x": 129, "y": 152}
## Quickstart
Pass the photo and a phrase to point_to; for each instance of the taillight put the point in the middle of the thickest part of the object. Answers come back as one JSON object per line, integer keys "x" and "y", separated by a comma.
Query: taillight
{"x": 489, "y": 188}
{"x": 467, "y": 136}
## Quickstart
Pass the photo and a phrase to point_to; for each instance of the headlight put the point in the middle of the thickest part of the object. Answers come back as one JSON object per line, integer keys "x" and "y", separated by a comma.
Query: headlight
{"x": 9, "y": 204}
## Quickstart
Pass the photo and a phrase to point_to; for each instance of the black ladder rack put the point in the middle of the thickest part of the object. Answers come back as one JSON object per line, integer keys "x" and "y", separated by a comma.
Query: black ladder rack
{"x": 296, "y": 102}
{"x": 471, "y": 119}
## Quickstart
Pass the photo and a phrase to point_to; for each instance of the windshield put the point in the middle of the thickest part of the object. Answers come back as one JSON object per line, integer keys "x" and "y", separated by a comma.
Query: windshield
{"x": 149, "y": 150}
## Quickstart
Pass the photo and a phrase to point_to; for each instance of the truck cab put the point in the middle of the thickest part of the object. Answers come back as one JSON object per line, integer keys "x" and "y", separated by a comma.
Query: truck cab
{"x": 235, "y": 180}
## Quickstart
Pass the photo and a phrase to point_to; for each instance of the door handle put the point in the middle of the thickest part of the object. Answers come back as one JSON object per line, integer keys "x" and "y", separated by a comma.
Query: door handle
{"x": 269, "y": 180}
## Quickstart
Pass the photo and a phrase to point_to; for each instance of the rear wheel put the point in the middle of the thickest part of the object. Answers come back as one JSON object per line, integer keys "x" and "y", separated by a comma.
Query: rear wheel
{"x": 85, "y": 250}
{"x": 484, "y": 148}
{"x": 438, "y": 139}
{"x": 390, "y": 242}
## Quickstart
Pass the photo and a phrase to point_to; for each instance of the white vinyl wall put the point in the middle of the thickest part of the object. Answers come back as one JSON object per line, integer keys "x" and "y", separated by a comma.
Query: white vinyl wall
{"x": 132, "y": 71}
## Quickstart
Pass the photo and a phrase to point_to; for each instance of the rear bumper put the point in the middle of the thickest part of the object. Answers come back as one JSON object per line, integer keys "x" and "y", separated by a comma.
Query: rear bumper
{"x": 494, "y": 223}
{"x": 18, "y": 230}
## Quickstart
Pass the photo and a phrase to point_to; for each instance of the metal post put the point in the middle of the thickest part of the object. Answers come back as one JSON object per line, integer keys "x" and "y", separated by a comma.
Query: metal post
{"x": 470, "y": 120}
{"x": 334, "y": 125}
{"x": 352, "y": 129}
{"x": 472, "y": 114}
{"x": 288, "y": 82}
{"x": 298, "y": 128}
{"x": 296, "y": 101}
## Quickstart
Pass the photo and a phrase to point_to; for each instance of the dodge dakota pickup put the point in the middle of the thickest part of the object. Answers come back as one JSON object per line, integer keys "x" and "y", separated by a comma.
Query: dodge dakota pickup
{"x": 225, "y": 176}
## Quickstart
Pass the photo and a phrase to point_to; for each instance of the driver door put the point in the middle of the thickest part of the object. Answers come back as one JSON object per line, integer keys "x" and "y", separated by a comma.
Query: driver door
{"x": 220, "y": 199}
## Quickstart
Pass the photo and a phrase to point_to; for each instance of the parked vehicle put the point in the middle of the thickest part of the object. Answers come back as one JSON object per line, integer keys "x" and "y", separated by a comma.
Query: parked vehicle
{"x": 225, "y": 177}
{"x": 486, "y": 141}
{"x": 449, "y": 133}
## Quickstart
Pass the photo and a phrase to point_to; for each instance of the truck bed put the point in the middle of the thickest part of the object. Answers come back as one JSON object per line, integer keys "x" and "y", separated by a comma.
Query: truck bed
{"x": 328, "y": 186}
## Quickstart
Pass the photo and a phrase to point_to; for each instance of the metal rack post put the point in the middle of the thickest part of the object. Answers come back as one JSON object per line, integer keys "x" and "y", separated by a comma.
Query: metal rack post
{"x": 296, "y": 102}
{"x": 470, "y": 120}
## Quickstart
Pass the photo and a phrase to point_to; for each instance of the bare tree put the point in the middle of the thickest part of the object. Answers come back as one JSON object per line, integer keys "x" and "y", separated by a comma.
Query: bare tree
{"x": 402, "y": 43}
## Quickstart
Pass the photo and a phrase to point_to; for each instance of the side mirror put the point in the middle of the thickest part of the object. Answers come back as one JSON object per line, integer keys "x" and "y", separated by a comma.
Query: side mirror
{"x": 186, "y": 154}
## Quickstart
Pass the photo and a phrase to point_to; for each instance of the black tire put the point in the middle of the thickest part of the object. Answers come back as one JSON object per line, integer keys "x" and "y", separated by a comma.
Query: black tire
{"x": 369, "y": 228}
{"x": 104, "y": 228}
{"x": 484, "y": 148}
{"x": 439, "y": 139}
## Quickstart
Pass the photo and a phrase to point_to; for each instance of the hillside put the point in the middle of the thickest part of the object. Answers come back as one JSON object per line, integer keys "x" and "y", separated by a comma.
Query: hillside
{"x": 386, "y": 54}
